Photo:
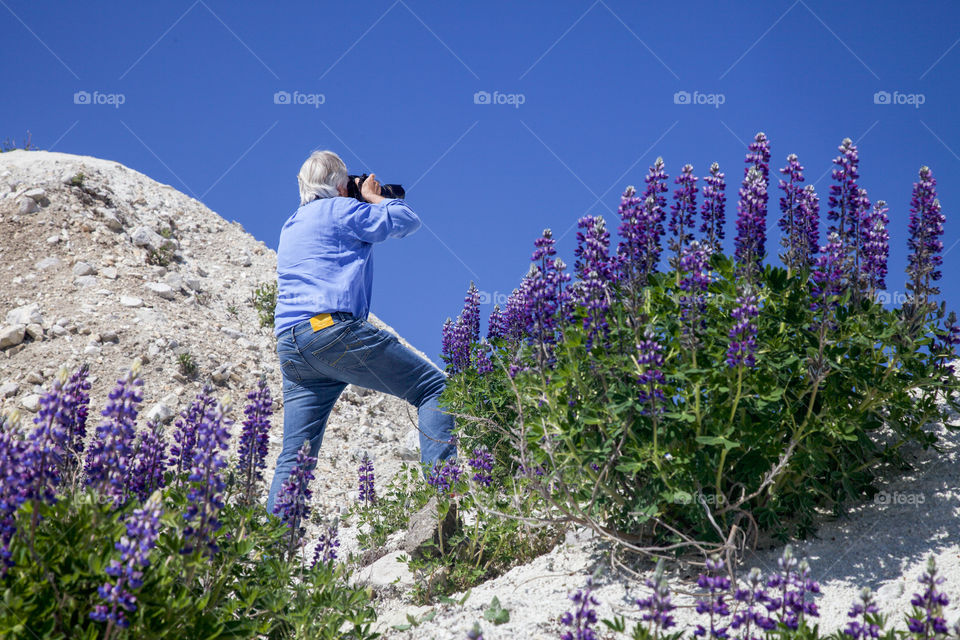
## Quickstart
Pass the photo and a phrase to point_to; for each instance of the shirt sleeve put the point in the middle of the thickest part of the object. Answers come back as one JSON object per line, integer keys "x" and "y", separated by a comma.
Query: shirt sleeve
{"x": 377, "y": 222}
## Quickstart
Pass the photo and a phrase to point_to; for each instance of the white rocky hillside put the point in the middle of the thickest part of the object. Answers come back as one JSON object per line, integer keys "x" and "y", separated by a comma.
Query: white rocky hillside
{"x": 76, "y": 286}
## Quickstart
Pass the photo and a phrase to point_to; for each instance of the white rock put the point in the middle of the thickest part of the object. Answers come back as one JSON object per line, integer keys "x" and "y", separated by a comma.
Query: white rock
{"x": 83, "y": 269}
{"x": 27, "y": 314}
{"x": 194, "y": 283}
{"x": 91, "y": 350}
{"x": 35, "y": 331}
{"x": 163, "y": 290}
{"x": 9, "y": 389}
{"x": 31, "y": 402}
{"x": 37, "y": 195}
{"x": 28, "y": 206}
{"x": 243, "y": 343}
{"x": 175, "y": 280}
{"x": 53, "y": 239}
{"x": 51, "y": 262}
{"x": 410, "y": 447}
{"x": 110, "y": 273}
{"x": 230, "y": 331}
{"x": 160, "y": 412}
{"x": 85, "y": 281}
{"x": 131, "y": 301}
{"x": 386, "y": 572}
{"x": 58, "y": 331}
{"x": 144, "y": 236}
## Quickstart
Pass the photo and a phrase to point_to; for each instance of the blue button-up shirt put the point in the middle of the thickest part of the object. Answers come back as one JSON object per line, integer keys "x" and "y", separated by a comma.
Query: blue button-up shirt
{"x": 325, "y": 260}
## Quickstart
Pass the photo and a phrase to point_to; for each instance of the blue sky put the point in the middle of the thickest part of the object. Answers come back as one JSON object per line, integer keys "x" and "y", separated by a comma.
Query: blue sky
{"x": 586, "y": 98}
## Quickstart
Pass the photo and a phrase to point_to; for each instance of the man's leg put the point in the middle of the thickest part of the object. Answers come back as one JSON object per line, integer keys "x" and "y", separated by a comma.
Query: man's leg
{"x": 306, "y": 407}
{"x": 376, "y": 359}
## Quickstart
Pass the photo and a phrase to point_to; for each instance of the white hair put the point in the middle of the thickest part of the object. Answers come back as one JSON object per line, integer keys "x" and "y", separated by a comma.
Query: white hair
{"x": 321, "y": 175}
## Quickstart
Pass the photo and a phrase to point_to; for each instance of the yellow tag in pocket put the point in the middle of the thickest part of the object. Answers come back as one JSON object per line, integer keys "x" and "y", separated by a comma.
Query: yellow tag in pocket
{"x": 321, "y": 321}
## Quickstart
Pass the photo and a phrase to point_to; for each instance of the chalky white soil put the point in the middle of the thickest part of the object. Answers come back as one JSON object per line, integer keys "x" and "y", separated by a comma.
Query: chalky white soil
{"x": 79, "y": 255}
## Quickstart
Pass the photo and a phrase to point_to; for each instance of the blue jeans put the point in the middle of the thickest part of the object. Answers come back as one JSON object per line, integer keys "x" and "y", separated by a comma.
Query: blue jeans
{"x": 317, "y": 366}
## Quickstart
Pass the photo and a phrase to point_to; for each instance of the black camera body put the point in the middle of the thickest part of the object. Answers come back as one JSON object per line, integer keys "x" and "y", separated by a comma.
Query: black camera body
{"x": 386, "y": 190}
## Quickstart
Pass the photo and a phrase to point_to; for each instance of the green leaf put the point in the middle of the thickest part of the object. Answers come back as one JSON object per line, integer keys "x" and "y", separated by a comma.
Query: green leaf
{"x": 495, "y": 613}
{"x": 718, "y": 440}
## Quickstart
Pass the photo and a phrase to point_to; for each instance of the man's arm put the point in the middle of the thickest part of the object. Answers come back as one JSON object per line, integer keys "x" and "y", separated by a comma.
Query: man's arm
{"x": 377, "y": 222}
{"x": 380, "y": 218}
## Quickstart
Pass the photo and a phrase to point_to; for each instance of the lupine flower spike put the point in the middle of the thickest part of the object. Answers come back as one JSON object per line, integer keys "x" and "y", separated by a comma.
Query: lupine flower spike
{"x": 713, "y": 603}
{"x": 142, "y": 529}
{"x": 206, "y": 482}
{"x": 252, "y": 450}
{"x": 583, "y": 616}
{"x": 293, "y": 499}
{"x": 367, "y": 494}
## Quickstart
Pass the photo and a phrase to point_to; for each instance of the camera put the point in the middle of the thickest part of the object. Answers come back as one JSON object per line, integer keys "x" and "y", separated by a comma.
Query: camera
{"x": 386, "y": 190}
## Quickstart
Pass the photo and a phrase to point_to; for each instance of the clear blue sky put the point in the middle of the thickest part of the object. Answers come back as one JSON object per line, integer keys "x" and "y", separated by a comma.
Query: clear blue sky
{"x": 398, "y": 78}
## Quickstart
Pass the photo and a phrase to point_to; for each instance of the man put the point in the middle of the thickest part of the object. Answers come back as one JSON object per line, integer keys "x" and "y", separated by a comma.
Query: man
{"x": 325, "y": 277}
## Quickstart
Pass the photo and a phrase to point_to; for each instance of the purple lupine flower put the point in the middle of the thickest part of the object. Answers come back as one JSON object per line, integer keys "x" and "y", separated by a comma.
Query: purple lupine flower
{"x": 657, "y": 607}
{"x": 751, "y": 222}
{"x": 926, "y": 228}
{"x": 641, "y": 227}
{"x": 631, "y": 251}
{"x": 496, "y": 324}
{"x": 583, "y": 616}
{"x": 459, "y": 337}
{"x": 845, "y": 203}
{"x": 475, "y": 633}
{"x": 595, "y": 273}
{"x": 293, "y": 499}
{"x": 252, "y": 449}
{"x": 444, "y": 475}
{"x": 109, "y": 457}
{"x": 926, "y": 621}
{"x": 683, "y": 211}
{"x": 876, "y": 247}
{"x": 517, "y": 311}
{"x": 326, "y": 549}
{"x": 484, "y": 364}
{"x": 367, "y": 492}
{"x": 793, "y": 222}
{"x": 827, "y": 282}
{"x": 794, "y": 583}
{"x": 14, "y": 484}
{"x": 546, "y": 299}
{"x": 712, "y": 209}
{"x": 76, "y": 402}
{"x": 694, "y": 272}
{"x": 654, "y": 212}
{"x": 743, "y": 343}
{"x": 810, "y": 216}
{"x": 185, "y": 432}
{"x": 758, "y": 157}
{"x": 206, "y": 490}
{"x": 149, "y": 462}
{"x": 471, "y": 314}
{"x": 143, "y": 526}
{"x": 45, "y": 444}
{"x": 861, "y": 627}
{"x": 651, "y": 377}
{"x": 754, "y": 612}
{"x": 714, "y": 604}
{"x": 482, "y": 464}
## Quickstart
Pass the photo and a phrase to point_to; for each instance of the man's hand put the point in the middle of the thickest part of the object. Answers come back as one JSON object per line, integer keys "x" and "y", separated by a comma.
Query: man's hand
{"x": 370, "y": 190}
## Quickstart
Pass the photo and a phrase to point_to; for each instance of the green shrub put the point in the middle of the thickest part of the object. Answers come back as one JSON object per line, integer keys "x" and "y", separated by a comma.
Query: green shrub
{"x": 264, "y": 300}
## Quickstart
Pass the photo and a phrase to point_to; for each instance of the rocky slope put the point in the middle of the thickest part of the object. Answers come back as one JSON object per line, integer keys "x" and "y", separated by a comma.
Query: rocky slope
{"x": 77, "y": 287}
{"x": 75, "y": 236}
